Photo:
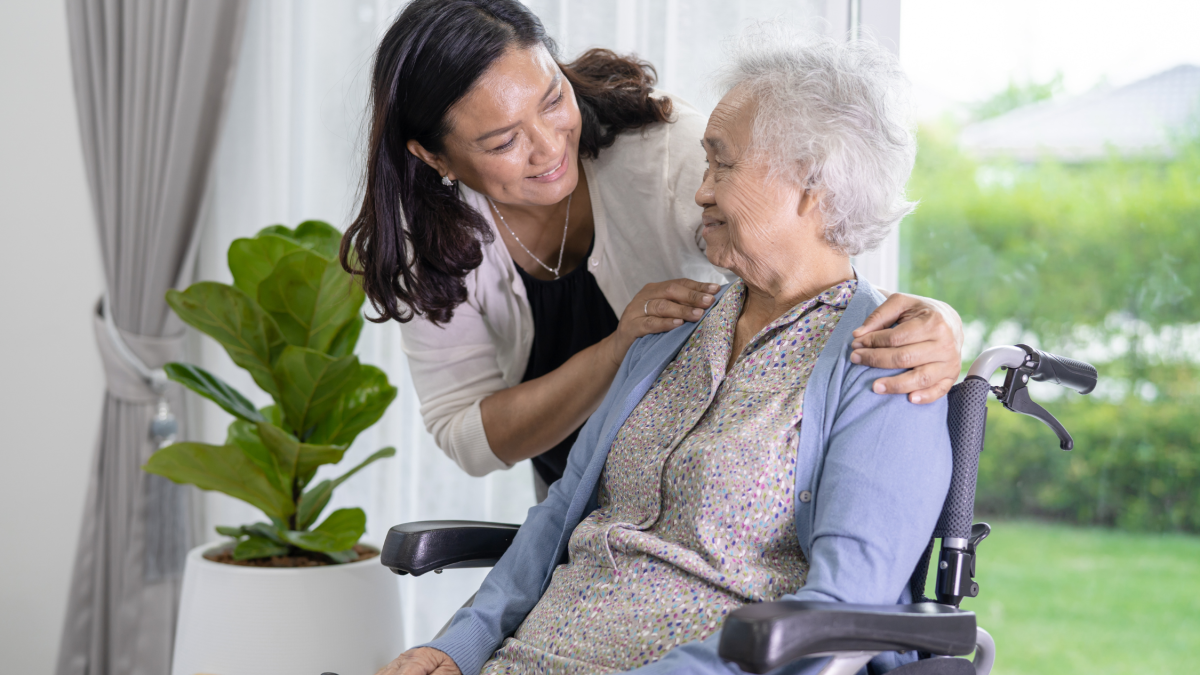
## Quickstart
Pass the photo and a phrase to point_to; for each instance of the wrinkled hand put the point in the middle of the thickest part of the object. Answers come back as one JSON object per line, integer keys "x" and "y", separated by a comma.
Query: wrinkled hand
{"x": 927, "y": 340}
{"x": 421, "y": 661}
{"x": 658, "y": 308}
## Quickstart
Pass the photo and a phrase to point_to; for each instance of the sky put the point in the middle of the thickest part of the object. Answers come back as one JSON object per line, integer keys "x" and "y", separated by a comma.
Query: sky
{"x": 962, "y": 51}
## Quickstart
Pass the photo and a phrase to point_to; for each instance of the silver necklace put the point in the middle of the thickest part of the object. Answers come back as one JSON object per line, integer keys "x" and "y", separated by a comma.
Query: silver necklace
{"x": 561, "y": 247}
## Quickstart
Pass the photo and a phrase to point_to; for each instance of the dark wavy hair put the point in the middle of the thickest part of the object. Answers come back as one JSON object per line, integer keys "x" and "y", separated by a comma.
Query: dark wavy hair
{"x": 414, "y": 240}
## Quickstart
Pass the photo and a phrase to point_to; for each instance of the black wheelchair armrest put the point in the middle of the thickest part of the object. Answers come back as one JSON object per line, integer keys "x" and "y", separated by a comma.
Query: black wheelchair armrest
{"x": 764, "y": 636}
{"x": 417, "y": 548}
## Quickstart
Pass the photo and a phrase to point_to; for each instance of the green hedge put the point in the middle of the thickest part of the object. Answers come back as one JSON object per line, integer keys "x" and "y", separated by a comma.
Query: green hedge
{"x": 1050, "y": 247}
{"x": 1136, "y": 465}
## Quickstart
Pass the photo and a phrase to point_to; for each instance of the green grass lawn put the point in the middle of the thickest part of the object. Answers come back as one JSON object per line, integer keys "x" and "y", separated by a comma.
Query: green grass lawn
{"x": 1062, "y": 599}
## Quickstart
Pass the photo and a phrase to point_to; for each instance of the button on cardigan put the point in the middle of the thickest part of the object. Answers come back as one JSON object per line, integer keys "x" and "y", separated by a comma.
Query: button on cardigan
{"x": 647, "y": 229}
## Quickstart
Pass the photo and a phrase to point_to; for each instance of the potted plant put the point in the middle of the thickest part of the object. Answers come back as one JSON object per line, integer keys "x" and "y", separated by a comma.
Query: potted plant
{"x": 297, "y": 593}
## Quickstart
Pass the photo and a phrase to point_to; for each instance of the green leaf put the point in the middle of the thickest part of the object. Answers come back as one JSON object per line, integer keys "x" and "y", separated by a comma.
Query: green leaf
{"x": 229, "y": 531}
{"x": 340, "y": 531}
{"x": 230, "y": 317}
{"x": 270, "y": 532}
{"x": 315, "y": 235}
{"x": 252, "y": 260}
{"x": 310, "y": 384}
{"x": 266, "y": 531}
{"x": 343, "y": 343}
{"x": 245, "y": 436}
{"x": 342, "y": 557}
{"x": 313, "y": 502}
{"x": 223, "y": 468}
{"x": 278, "y": 231}
{"x": 312, "y": 299}
{"x": 297, "y": 461}
{"x": 362, "y": 404}
{"x": 274, "y": 415}
{"x": 321, "y": 237}
{"x": 257, "y": 547}
{"x": 214, "y": 389}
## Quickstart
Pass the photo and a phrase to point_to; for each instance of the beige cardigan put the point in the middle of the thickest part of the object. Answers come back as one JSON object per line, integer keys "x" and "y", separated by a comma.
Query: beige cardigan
{"x": 647, "y": 229}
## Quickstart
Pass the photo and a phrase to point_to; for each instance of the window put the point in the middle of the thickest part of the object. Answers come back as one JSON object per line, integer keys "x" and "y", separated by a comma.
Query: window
{"x": 1059, "y": 181}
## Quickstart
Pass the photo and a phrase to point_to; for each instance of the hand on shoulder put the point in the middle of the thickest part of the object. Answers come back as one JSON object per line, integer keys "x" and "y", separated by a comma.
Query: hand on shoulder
{"x": 658, "y": 308}
{"x": 922, "y": 335}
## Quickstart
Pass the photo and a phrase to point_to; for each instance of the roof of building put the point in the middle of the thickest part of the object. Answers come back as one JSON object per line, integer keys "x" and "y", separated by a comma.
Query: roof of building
{"x": 1139, "y": 118}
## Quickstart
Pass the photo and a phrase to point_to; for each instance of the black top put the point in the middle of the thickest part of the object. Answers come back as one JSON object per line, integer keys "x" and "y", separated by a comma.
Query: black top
{"x": 570, "y": 314}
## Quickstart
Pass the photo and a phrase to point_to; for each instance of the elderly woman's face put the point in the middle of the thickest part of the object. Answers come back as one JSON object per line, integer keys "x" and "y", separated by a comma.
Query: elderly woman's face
{"x": 752, "y": 221}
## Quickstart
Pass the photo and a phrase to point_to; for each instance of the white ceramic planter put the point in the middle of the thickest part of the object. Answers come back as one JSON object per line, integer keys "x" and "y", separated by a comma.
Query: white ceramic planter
{"x": 236, "y": 620}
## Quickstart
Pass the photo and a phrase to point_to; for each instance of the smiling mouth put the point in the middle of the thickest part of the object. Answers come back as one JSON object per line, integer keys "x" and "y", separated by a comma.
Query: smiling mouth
{"x": 555, "y": 169}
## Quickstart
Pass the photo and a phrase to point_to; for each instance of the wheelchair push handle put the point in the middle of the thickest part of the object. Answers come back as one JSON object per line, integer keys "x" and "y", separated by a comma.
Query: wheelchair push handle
{"x": 967, "y": 422}
{"x": 1024, "y": 363}
{"x": 1038, "y": 365}
{"x": 967, "y": 418}
{"x": 1060, "y": 370}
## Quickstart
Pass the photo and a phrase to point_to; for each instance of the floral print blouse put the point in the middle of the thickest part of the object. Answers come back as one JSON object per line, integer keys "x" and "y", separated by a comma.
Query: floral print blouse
{"x": 696, "y": 502}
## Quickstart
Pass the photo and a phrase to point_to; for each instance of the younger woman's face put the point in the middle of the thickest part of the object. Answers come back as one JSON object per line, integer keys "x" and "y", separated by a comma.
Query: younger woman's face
{"x": 515, "y": 136}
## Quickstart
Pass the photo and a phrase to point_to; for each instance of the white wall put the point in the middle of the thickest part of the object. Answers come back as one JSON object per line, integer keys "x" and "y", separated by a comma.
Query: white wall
{"x": 51, "y": 382}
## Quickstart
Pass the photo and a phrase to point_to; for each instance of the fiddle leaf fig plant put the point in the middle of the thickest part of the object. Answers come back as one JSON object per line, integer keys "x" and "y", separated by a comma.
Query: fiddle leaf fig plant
{"x": 291, "y": 319}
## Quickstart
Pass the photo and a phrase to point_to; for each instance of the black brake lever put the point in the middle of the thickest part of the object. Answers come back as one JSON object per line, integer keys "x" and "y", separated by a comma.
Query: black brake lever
{"x": 979, "y": 532}
{"x": 1015, "y": 397}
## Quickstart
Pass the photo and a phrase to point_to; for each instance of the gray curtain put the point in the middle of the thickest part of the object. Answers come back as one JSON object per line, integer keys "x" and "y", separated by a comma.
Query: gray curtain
{"x": 151, "y": 78}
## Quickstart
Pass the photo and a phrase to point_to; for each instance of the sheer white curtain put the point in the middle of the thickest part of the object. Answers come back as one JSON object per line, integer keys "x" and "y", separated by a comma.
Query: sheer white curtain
{"x": 683, "y": 41}
{"x": 290, "y": 151}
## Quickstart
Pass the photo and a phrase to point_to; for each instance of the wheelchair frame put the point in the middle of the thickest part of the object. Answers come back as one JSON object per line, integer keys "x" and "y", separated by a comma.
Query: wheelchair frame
{"x": 761, "y": 637}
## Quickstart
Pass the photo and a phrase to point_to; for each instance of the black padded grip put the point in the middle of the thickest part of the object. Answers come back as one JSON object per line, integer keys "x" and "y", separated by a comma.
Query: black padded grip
{"x": 1070, "y": 373}
{"x": 967, "y": 419}
{"x": 763, "y": 636}
{"x": 428, "y": 545}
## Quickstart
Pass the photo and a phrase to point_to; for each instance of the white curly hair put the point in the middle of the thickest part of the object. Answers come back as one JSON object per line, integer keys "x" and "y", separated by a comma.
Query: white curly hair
{"x": 831, "y": 116}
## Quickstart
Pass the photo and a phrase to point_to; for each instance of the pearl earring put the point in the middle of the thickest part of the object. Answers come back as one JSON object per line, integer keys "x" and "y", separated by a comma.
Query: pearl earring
{"x": 447, "y": 182}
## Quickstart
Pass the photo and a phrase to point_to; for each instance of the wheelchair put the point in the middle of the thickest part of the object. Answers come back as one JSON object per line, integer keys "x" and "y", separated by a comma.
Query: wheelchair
{"x": 764, "y": 636}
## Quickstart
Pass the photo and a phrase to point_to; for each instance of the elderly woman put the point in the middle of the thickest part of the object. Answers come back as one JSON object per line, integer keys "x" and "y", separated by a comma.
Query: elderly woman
{"x": 743, "y": 458}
